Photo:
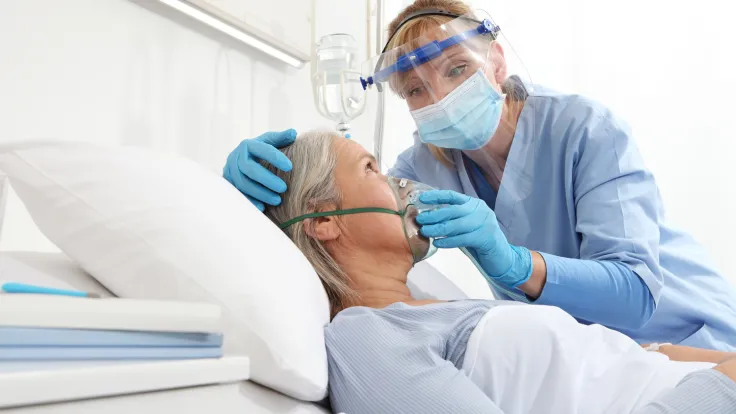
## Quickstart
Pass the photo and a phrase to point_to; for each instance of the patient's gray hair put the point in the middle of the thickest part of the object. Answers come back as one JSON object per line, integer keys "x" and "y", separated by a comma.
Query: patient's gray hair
{"x": 311, "y": 184}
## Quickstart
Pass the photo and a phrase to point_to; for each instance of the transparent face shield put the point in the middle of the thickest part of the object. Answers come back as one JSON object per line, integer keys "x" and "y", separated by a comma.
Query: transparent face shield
{"x": 425, "y": 69}
{"x": 454, "y": 87}
{"x": 406, "y": 193}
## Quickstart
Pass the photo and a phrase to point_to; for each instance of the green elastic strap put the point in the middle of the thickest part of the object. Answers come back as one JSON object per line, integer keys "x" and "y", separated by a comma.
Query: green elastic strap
{"x": 340, "y": 213}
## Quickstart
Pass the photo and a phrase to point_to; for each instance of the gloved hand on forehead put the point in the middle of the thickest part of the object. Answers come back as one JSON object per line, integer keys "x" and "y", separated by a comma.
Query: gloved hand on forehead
{"x": 244, "y": 171}
{"x": 469, "y": 222}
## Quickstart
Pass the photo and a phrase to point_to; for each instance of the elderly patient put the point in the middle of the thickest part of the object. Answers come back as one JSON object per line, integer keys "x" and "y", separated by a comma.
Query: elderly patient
{"x": 390, "y": 353}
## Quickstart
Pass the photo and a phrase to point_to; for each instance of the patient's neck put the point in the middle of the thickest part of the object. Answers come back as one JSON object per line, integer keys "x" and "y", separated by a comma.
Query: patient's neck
{"x": 379, "y": 279}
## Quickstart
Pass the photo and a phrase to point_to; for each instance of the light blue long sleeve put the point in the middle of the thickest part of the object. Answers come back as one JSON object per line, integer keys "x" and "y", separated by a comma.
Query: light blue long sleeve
{"x": 589, "y": 289}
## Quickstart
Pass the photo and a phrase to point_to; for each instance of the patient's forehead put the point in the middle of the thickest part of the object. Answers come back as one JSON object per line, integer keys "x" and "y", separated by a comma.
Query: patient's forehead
{"x": 349, "y": 151}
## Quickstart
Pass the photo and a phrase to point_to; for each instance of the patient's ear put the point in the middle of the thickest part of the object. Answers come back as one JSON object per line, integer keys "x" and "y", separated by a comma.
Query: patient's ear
{"x": 323, "y": 228}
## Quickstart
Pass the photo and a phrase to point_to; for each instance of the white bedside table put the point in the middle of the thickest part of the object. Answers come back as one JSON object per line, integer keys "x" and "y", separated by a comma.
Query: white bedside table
{"x": 50, "y": 383}
{"x": 214, "y": 386}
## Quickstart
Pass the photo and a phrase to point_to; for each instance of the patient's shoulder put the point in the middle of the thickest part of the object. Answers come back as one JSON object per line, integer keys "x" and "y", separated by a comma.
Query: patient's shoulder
{"x": 365, "y": 334}
{"x": 360, "y": 332}
{"x": 361, "y": 321}
{"x": 428, "y": 324}
{"x": 400, "y": 314}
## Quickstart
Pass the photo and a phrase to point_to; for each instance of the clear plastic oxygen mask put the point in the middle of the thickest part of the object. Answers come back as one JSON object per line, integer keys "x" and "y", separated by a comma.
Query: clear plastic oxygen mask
{"x": 406, "y": 192}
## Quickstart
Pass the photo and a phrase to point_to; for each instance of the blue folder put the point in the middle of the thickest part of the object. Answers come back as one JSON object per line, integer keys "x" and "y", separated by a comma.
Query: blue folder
{"x": 57, "y": 337}
{"x": 68, "y": 353}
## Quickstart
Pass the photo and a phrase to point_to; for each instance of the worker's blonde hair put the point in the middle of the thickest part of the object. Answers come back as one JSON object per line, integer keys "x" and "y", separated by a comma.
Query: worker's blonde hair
{"x": 311, "y": 184}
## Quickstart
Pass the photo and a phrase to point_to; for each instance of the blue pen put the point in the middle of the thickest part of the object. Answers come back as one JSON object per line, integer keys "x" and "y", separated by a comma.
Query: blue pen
{"x": 14, "y": 287}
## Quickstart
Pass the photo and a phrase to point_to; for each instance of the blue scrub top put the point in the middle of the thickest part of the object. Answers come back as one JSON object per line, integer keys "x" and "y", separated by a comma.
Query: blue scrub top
{"x": 575, "y": 186}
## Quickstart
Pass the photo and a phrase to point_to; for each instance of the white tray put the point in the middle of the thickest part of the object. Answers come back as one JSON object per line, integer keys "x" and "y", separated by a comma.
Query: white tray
{"x": 52, "y": 383}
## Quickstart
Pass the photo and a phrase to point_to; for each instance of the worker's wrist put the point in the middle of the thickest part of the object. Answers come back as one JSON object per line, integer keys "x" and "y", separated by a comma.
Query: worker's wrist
{"x": 534, "y": 285}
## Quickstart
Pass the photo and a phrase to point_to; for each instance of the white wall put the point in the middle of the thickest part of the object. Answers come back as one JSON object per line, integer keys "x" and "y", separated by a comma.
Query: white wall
{"x": 119, "y": 71}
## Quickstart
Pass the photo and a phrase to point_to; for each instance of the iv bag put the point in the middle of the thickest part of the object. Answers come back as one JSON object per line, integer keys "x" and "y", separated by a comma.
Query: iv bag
{"x": 338, "y": 94}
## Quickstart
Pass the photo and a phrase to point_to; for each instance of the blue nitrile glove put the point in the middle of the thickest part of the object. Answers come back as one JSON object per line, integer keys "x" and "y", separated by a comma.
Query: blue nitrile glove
{"x": 469, "y": 222}
{"x": 243, "y": 170}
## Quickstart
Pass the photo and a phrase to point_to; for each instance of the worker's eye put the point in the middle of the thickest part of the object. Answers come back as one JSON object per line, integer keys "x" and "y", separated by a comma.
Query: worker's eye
{"x": 457, "y": 70}
{"x": 413, "y": 88}
{"x": 414, "y": 92}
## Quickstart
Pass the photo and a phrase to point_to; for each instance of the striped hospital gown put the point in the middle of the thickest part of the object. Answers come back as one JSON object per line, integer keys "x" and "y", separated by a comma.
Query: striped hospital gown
{"x": 408, "y": 359}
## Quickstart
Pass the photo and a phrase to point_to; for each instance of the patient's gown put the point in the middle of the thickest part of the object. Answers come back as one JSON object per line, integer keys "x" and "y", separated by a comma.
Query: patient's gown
{"x": 500, "y": 357}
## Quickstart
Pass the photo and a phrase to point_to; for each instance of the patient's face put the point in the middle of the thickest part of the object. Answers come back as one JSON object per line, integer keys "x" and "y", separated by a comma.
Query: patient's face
{"x": 362, "y": 185}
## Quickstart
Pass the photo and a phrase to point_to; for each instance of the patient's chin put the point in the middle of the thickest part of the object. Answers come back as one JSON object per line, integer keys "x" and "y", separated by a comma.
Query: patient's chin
{"x": 383, "y": 232}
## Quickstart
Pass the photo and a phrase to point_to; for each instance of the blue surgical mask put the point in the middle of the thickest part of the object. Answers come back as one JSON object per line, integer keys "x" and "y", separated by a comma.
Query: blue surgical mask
{"x": 465, "y": 119}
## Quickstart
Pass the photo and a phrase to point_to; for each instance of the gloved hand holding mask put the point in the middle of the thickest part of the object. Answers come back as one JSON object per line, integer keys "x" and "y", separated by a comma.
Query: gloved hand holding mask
{"x": 468, "y": 222}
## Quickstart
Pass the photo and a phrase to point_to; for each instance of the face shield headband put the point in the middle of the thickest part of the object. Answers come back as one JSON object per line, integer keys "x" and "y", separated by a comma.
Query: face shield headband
{"x": 427, "y": 52}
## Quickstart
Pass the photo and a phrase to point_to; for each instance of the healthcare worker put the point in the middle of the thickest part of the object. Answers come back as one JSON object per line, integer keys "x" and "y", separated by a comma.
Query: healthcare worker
{"x": 546, "y": 191}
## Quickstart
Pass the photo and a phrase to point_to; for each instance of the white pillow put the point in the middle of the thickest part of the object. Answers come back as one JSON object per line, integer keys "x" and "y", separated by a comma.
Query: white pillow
{"x": 153, "y": 226}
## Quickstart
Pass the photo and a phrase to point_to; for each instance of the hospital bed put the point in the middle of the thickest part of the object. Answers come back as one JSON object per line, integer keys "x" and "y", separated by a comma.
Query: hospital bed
{"x": 222, "y": 387}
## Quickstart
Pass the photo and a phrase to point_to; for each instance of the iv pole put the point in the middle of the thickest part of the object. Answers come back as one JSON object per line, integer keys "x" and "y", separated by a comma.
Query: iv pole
{"x": 378, "y": 138}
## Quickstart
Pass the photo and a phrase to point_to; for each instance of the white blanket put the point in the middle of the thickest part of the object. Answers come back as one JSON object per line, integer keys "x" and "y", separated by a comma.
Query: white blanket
{"x": 538, "y": 359}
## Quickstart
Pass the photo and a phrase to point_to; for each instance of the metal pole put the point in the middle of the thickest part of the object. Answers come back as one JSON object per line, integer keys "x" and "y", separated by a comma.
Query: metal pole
{"x": 378, "y": 138}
